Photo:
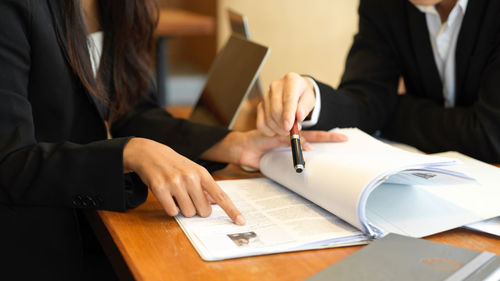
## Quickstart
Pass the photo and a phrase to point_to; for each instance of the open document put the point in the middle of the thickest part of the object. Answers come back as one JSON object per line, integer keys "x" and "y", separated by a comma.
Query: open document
{"x": 348, "y": 193}
{"x": 277, "y": 221}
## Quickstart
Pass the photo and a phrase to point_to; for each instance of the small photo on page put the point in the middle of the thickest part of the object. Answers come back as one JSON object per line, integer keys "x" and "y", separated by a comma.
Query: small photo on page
{"x": 245, "y": 239}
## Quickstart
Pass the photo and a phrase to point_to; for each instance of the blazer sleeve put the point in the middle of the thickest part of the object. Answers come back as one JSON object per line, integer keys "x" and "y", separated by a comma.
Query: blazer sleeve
{"x": 55, "y": 174}
{"x": 473, "y": 130}
{"x": 367, "y": 98}
{"x": 149, "y": 120}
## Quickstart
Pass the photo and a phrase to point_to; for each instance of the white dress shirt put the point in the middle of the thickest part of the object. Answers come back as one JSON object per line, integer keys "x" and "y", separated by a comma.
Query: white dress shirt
{"x": 313, "y": 120}
{"x": 95, "y": 43}
{"x": 443, "y": 37}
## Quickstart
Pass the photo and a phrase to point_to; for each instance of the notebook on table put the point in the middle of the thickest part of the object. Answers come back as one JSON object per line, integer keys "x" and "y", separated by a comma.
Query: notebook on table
{"x": 396, "y": 257}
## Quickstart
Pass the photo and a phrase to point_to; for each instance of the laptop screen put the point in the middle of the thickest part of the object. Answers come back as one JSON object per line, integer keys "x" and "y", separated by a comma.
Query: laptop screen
{"x": 229, "y": 80}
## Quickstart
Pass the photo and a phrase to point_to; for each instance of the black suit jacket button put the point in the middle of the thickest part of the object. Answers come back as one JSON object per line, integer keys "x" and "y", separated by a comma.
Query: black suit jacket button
{"x": 77, "y": 203}
{"x": 90, "y": 201}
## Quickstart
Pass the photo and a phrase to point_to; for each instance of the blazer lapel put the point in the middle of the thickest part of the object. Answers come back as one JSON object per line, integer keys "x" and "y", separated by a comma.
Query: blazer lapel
{"x": 467, "y": 41}
{"x": 56, "y": 12}
{"x": 424, "y": 55}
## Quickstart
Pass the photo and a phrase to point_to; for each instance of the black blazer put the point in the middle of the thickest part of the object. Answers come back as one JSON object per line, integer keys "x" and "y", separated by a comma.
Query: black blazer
{"x": 54, "y": 156}
{"x": 393, "y": 41}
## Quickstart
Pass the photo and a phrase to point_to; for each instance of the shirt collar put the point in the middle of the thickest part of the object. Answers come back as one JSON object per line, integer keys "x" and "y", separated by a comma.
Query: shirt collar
{"x": 431, "y": 9}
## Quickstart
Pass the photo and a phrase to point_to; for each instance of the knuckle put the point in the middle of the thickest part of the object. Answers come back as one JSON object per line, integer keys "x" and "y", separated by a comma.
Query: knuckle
{"x": 175, "y": 180}
{"x": 290, "y": 76}
{"x": 160, "y": 188}
{"x": 203, "y": 172}
{"x": 190, "y": 178}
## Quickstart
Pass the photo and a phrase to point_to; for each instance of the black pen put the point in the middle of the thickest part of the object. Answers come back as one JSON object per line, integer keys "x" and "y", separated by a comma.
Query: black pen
{"x": 298, "y": 158}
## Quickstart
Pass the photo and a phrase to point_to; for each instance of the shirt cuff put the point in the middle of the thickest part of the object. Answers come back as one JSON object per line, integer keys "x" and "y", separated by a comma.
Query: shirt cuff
{"x": 314, "y": 116}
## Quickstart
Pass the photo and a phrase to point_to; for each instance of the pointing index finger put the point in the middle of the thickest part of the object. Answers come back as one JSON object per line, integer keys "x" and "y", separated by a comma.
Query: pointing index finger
{"x": 221, "y": 198}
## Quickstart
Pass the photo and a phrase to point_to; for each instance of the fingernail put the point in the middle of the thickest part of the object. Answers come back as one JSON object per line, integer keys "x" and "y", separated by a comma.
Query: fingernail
{"x": 299, "y": 113}
{"x": 240, "y": 220}
{"x": 343, "y": 138}
{"x": 308, "y": 147}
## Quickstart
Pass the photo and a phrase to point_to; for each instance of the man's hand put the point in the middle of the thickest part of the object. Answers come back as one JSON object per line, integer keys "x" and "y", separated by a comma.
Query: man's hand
{"x": 289, "y": 98}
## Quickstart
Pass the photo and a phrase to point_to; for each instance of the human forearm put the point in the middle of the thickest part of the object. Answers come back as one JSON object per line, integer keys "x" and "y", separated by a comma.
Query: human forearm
{"x": 187, "y": 138}
{"x": 227, "y": 150}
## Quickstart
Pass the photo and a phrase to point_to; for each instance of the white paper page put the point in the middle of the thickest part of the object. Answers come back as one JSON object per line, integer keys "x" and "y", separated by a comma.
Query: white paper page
{"x": 401, "y": 146}
{"x": 425, "y": 209}
{"x": 412, "y": 211}
{"x": 430, "y": 177}
{"x": 336, "y": 174}
{"x": 277, "y": 220}
{"x": 481, "y": 199}
{"x": 491, "y": 226}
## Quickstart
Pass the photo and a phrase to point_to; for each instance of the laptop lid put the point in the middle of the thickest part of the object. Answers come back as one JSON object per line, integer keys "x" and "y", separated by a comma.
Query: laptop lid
{"x": 239, "y": 25}
{"x": 229, "y": 81}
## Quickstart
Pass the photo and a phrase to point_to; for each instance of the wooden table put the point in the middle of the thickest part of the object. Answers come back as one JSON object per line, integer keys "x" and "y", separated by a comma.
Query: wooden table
{"x": 147, "y": 244}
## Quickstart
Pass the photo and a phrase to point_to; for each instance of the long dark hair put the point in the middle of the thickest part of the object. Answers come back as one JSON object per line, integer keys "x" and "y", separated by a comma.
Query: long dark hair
{"x": 125, "y": 68}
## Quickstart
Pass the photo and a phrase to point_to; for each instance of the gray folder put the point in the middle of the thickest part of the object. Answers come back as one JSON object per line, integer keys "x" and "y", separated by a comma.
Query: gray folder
{"x": 396, "y": 258}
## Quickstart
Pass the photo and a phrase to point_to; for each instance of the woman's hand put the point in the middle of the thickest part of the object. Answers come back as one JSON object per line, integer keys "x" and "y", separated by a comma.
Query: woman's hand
{"x": 256, "y": 144}
{"x": 246, "y": 148}
{"x": 176, "y": 180}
